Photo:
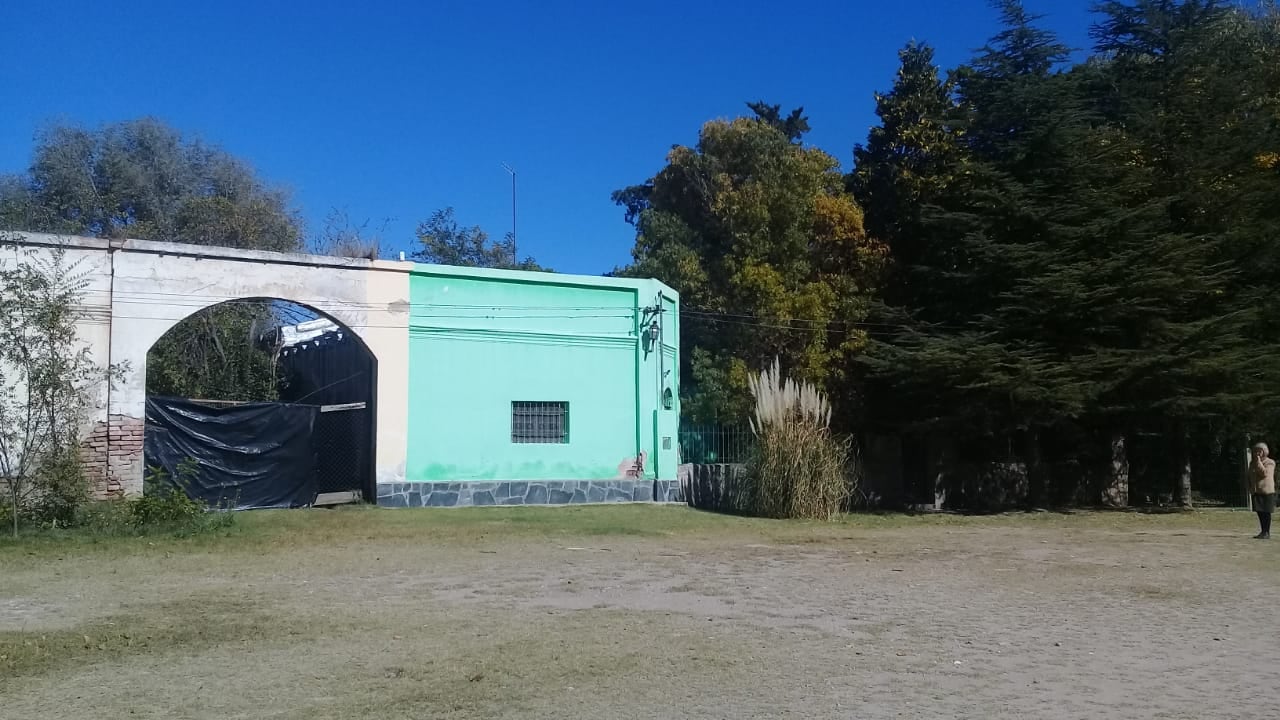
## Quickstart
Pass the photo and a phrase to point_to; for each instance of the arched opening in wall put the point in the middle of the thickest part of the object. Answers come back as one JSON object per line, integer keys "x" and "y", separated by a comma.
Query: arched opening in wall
{"x": 262, "y": 402}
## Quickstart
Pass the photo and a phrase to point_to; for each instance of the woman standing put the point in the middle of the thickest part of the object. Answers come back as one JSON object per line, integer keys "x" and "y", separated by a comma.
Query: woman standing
{"x": 1262, "y": 474}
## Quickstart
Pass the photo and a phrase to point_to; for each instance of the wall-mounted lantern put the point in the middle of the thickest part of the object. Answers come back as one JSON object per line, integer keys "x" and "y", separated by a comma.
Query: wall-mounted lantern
{"x": 651, "y": 337}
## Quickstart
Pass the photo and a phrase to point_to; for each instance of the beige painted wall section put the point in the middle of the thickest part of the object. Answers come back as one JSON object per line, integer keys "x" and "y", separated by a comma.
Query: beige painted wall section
{"x": 387, "y": 335}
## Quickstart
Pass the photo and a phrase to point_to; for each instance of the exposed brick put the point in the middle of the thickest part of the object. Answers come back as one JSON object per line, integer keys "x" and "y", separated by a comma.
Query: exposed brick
{"x": 112, "y": 449}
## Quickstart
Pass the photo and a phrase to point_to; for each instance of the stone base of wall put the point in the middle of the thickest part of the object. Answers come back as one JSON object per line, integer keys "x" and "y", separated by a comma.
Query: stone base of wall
{"x": 542, "y": 492}
{"x": 671, "y": 491}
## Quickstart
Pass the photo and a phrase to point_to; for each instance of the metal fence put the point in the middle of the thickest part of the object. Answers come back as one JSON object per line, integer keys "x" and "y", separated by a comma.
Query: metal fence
{"x": 344, "y": 446}
{"x": 897, "y": 471}
{"x": 713, "y": 444}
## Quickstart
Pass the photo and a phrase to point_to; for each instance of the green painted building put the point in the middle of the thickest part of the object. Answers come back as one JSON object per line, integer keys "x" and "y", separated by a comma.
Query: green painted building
{"x": 538, "y": 388}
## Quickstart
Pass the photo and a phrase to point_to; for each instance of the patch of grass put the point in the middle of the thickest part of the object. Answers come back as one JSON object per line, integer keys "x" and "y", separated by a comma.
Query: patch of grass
{"x": 189, "y": 624}
{"x": 112, "y": 525}
{"x": 257, "y": 530}
{"x": 470, "y": 672}
{"x": 466, "y": 526}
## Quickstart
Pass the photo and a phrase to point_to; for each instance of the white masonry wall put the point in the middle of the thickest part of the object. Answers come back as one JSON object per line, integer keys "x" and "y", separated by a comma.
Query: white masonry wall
{"x": 138, "y": 290}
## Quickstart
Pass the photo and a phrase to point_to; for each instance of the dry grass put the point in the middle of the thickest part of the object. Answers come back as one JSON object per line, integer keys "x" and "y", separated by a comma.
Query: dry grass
{"x": 641, "y": 611}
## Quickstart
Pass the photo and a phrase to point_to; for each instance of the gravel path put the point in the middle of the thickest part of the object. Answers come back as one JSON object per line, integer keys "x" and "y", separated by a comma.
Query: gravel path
{"x": 948, "y": 621}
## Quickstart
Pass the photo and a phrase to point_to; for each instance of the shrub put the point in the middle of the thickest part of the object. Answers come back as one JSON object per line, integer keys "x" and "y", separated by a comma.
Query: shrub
{"x": 165, "y": 500}
{"x": 799, "y": 468}
{"x": 164, "y": 508}
{"x": 166, "y": 503}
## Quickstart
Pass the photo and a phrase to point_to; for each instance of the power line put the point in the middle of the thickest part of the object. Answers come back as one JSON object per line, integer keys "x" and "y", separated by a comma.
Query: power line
{"x": 462, "y": 311}
{"x": 241, "y": 299}
{"x": 814, "y": 324}
{"x": 352, "y": 326}
{"x": 142, "y": 299}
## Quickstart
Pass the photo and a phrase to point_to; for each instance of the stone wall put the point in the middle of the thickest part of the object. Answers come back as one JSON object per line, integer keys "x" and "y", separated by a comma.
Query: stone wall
{"x": 542, "y": 492}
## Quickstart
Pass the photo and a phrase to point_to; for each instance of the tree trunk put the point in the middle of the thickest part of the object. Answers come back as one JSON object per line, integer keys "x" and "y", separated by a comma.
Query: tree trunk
{"x": 1182, "y": 489}
{"x": 1184, "y": 484}
{"x": 1036, "y": 481}
{"x": 1116, "y": 493}
{"x": 941, "y": 470}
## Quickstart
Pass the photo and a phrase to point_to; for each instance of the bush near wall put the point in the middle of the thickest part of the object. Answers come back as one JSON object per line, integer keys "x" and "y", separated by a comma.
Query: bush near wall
{"x": 799, "y": 468}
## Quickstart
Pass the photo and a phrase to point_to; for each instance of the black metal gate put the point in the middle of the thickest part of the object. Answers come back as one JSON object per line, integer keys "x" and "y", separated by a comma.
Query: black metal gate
{"x": 344, "y": 448}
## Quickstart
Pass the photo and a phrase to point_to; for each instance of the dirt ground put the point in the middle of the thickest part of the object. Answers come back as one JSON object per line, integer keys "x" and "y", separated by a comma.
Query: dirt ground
{"x": 648, "y": 612}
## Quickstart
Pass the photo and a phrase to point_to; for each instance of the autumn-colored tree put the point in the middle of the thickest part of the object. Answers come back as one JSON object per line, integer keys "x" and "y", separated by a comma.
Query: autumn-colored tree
{"x": 768, "y": 251}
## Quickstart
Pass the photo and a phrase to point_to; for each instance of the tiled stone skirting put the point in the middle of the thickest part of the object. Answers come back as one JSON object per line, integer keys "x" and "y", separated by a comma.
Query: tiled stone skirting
{"x": 668, "y": 491}
{"x": 541, "y": 492}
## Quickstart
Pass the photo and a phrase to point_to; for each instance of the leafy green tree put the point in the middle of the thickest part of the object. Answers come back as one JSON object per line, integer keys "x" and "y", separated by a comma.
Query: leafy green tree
{"x": 143, "y": 179}
{"x": 214, "y": 355}
{"x": 768, "y": 252}
{"x": 444, "y": 242}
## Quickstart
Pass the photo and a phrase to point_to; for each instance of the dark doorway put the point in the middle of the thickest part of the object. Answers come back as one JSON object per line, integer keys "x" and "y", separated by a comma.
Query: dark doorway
{"x": 322, "y": 363}
{"x": 284, "y": 361}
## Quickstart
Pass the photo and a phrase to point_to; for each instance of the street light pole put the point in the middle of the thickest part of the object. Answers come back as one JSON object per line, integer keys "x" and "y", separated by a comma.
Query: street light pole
{"x": 515, "y": 257}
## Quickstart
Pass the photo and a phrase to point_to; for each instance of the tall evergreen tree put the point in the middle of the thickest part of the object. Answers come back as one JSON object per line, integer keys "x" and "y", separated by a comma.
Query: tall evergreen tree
{"x": 907, "y": 160}
{"x": 970, "y": 373}
{"x": 1193, "y": 85}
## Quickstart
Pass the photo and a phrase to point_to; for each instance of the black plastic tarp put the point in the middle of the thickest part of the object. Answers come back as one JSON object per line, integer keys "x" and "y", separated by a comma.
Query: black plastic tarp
{"x": 256, "y": 455}
{"x": 332, "y": 370}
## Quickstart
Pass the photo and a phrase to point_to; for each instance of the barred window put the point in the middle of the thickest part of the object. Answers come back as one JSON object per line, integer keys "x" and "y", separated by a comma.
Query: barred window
{"x": 539, "y": 422}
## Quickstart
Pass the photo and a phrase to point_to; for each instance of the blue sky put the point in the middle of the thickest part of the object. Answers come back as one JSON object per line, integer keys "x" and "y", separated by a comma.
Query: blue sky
{"x": 389, "y": 111}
